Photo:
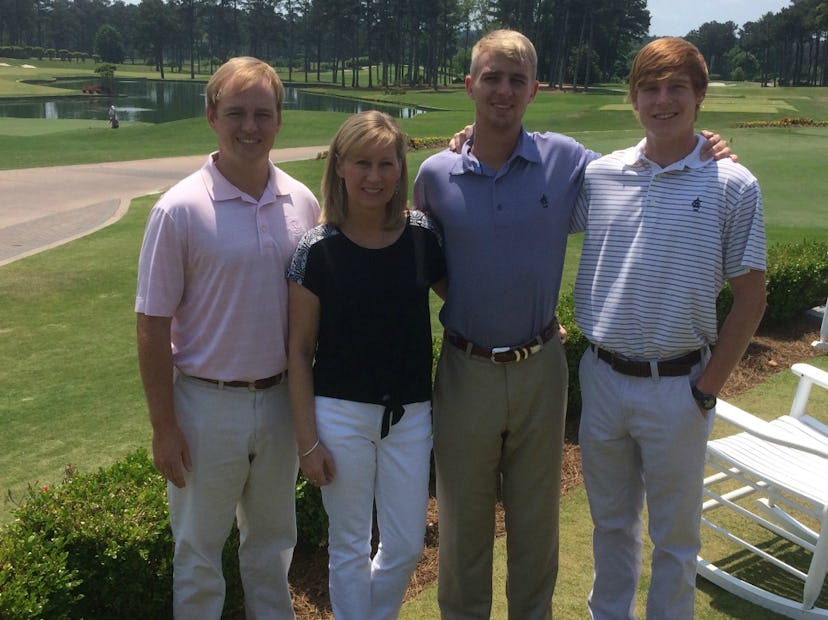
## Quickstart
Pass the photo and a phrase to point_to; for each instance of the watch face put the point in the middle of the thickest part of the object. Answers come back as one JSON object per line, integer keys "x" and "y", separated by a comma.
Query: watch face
{"x": 706, "y": 401}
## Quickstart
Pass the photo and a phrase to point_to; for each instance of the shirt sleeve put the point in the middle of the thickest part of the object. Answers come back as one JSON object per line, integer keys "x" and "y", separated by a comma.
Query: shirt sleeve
{"x": 580, "y": 214}
{"x": 744, "y": 235}
{"x": 161, "y": 266}
{"x": 307, "y": 267}
{"x": 298, "y": 264}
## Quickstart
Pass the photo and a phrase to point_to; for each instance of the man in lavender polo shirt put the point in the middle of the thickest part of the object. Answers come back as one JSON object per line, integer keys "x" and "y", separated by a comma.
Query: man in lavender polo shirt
{"x": 212, "y": 331}
{"x": 504, "y": 205}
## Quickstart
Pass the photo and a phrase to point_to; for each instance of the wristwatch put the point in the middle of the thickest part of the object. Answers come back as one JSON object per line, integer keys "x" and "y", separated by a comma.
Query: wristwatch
{"x": 706, "y": 401}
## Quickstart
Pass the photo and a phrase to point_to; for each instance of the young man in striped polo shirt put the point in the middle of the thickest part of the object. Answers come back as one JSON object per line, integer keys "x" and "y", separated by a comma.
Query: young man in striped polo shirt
{"x": 664, "y": 231}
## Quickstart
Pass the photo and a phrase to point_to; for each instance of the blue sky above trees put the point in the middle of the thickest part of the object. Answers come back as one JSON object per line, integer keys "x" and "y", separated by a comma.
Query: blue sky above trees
{"x": 678, "y": 17}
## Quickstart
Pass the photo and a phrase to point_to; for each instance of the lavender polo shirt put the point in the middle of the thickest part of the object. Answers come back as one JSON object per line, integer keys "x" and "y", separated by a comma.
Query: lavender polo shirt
{"x": 215, "y": 259}
{"x": 505, "y": 234}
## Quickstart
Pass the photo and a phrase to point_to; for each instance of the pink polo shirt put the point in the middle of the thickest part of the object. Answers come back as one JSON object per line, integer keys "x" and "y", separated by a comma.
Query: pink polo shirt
{"x": 214, "y": 259}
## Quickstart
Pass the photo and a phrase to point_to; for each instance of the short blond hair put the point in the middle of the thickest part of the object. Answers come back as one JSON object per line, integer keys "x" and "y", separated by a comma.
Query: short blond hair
{"x": 664, "y": 57}
{"x": 359, "y": 131}
{"x": 239, "y": 74}
{"x": 509, "y": 43}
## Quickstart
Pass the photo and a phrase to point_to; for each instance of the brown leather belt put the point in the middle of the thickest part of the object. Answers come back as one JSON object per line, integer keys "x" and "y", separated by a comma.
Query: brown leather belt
{"x": 506, "y": 355}
{"x": 258, "y": 384}
{"x": 676, "y": 367}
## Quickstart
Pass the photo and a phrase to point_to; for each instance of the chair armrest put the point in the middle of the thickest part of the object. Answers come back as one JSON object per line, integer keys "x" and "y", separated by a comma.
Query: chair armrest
{"x": 765, "y": 430}
{"x": 812, "y": 373}
{"x": 808, "y": 376}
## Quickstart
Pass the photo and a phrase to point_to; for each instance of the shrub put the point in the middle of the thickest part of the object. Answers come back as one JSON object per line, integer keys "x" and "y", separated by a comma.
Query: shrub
{"x": 111, "y": 529}
{"x": 35, "y": 581}
{"x": 311, "y": 518}
{"x": 576, "y": 344}
{"x": 783, "y": 122}
{"x": 99, "y": 546}
{"x": 797, "y": 279}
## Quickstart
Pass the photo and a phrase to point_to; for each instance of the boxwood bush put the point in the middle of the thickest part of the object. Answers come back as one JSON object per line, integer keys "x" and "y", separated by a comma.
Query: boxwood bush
{"x": 99, "y": 546}
{"x": 107, "y": 532}
{"x": 797, "y": 280}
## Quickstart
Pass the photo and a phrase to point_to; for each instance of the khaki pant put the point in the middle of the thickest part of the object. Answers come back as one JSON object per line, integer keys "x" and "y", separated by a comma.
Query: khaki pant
{"x": 499, "y": 425}
{"x": 244, "y": 466}
{"x": 642, "y": 439}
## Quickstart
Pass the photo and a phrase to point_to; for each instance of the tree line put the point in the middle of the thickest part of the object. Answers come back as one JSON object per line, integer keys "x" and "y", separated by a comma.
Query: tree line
{"x": 403, "y": 42}
{"x": 788, "y": 48}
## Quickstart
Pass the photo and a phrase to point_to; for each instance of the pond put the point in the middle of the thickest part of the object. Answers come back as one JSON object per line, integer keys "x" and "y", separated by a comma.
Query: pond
{"x": 161, "y": 101}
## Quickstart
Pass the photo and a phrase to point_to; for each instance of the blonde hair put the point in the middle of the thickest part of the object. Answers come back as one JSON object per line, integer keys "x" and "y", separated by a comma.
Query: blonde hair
{"x": 662, "y": 58}
{"x": 509, "y": 43}
{"x": 239, "y": 74}
{"x": 359, "y": 131}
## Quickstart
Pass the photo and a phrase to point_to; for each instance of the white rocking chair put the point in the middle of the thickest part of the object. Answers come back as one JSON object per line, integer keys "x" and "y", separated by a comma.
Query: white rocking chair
{"x": 822, "y": 343}
{"x": 781, "y": 469}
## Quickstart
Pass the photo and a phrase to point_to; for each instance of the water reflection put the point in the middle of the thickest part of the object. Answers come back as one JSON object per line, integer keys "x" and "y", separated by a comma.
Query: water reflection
{"x": 157, "y": 101}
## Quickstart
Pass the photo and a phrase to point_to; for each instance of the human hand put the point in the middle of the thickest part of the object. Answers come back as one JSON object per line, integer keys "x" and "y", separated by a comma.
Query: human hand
{"x": 562, "y": 334}
{"x": 318, "y": 466}
{"x": 171, "y": 455}
{"x": 459, "y": 139}
{"x": 716, "y": 147}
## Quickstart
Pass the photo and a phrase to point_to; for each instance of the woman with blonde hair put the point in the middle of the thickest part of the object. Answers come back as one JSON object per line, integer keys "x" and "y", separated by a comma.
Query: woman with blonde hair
{"x": 360, "y": 364}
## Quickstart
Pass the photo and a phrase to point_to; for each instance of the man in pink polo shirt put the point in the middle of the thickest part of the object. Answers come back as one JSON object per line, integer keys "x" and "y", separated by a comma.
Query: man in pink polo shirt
{"x": 212, "y": 330}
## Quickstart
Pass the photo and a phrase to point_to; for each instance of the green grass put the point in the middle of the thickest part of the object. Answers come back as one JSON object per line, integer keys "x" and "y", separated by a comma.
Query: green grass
{"x": 67, "y": 358}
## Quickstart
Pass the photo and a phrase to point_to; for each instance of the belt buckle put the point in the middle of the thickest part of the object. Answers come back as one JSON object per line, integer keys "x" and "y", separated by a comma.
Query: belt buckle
{"x": 495, "y": 351}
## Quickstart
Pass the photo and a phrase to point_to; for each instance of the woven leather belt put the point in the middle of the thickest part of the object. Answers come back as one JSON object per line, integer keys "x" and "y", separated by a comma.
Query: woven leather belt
{"x": 506, "y": 355}
{"x": 677, "y": 367}
{"x": 258, "y": 384}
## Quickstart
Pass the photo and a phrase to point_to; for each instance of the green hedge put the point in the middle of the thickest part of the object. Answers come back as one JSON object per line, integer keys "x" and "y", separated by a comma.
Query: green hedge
{"x": 99, "y": 546}
{"x": 797, "y": 280}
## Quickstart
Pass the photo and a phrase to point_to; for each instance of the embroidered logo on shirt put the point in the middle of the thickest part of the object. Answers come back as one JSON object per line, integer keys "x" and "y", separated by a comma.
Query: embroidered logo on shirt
{"x": 544, "y": 202}
{"x": 696, "y": 205}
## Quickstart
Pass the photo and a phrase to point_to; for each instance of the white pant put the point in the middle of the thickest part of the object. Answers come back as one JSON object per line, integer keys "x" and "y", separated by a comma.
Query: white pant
{"x": 392, "y": 471}
{"x": 637, "y": 436}
{"x": 244, "y": 465}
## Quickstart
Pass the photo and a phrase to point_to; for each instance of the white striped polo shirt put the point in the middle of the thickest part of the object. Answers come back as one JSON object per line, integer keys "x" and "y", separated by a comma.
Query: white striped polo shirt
{"x": 659, "y": 244}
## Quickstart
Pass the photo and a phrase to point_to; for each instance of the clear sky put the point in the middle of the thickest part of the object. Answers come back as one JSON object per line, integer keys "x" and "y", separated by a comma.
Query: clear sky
{"x": 678, "y": 17}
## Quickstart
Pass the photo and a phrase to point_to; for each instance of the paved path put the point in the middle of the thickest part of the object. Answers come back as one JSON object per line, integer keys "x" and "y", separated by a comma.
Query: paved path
{"x": 41, "y": 208}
